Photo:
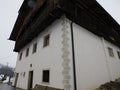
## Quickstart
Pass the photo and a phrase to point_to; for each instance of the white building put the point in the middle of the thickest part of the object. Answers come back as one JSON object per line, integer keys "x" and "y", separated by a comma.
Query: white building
{"x": 70, "y": 45}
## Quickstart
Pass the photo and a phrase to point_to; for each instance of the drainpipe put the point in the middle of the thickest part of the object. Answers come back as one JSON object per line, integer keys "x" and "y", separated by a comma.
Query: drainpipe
{"x": 73, "y": 56}
{"x": 73, "y": 47}
{"x": 107, "y": 64}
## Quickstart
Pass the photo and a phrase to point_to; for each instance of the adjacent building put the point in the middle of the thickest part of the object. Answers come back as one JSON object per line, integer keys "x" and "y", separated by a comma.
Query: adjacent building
{"x": 65, "y": 44}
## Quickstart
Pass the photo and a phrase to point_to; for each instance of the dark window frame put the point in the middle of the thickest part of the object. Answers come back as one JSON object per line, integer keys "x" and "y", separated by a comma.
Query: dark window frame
{"x": 24, "y": 74}
{"x": 27, "y": 52}
{"x": 34, "y": 48}
{"x": 46, "y": 76}
{"x": 110, "y": 51}
{"x": 20, "y": 56}
{"x": 118, "y": 53}
{"x": 46, "y": 40}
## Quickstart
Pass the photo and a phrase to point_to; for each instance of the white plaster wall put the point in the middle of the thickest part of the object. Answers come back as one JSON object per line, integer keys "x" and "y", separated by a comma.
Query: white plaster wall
{"x": 92, "y": 60}
{"x": 93, "y": 64}
{"x": 113, "y": 62}
{"x": 49, "y": 57}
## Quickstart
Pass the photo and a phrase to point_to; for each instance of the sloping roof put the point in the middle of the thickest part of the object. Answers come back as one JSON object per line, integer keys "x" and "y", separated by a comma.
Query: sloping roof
{"x": 24, "y": 17}
{"x": 87, "y": 13}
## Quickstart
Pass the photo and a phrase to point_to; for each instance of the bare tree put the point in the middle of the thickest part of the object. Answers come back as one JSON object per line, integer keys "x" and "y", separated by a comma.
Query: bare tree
{"x": 6, "y": 71}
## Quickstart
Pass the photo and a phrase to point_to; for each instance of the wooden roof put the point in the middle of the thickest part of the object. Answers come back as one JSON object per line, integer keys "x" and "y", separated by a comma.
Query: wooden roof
{"x": 87, "y": 13}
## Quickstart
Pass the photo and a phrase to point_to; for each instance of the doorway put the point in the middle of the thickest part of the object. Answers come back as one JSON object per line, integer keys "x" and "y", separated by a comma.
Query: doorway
{"x": 30, "y": 80}
{"x": 16, "y": 79}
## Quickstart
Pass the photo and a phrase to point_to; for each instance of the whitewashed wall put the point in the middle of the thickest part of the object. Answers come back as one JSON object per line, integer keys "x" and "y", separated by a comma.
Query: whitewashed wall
{"x": 94, "y": 66}
{"x": 45, "y": 58}
{"x": 113, "y": 62}
{"x": 50, "y": 57}
{"x": 93, "y": 63}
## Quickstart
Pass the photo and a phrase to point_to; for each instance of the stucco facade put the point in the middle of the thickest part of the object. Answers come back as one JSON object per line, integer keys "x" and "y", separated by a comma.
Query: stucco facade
{"x": 94, "y": 65}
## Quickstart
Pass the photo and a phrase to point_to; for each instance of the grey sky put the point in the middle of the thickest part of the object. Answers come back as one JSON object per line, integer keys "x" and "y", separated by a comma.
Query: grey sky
{"x": 112, "y": 7}
{"x": 8, "y": 14}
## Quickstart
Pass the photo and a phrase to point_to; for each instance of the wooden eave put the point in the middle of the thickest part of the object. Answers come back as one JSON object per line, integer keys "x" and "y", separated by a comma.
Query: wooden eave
{"x": 24, "y": 17}
{"x": 23, "y": 13}
{"x": 87, "y": 13}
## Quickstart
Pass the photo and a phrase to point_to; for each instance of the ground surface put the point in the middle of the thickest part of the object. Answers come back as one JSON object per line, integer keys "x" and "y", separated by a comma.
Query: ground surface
{"x": 7, "y": 87}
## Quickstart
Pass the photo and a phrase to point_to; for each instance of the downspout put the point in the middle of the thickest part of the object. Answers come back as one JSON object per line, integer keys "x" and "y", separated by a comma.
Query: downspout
{"x": 73, "y": 56}
{"x": 73, "y": 47}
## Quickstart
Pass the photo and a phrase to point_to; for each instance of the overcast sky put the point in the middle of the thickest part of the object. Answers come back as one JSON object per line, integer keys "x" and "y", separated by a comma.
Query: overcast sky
{"x": 8, "y": 14}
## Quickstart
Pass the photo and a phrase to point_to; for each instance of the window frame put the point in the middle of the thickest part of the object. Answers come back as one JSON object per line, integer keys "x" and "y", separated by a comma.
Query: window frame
{"x": 34, "y": 47}
{"x": 46, "y": 78}
{"x": 27, "y": 52}
{"x": 24, "y": 74}
{"x": 118, "y": 54}
{"x": 20, "y": 56}
{"x": 111, "y": 52}
{"x": 46, "y": 40}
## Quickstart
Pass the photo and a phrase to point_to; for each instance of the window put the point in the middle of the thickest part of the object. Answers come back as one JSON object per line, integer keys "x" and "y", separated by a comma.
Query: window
{"x": 34, "y": 47}
{"x": 110, "y": 50}
{"x": 20, "y": 74}
{"x": 118, "y": 52}
{"x": 24, "y": 74}
{"x": 20, "y": 57}
{"x": 30, "y": 65}
{"x": 46, "y": 40}
{"x": 27, "y": 52}
{"x": 46, "y": 75}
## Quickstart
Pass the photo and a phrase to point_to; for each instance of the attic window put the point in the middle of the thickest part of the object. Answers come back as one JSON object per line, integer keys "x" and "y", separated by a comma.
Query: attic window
{"x": 110, "y": 50}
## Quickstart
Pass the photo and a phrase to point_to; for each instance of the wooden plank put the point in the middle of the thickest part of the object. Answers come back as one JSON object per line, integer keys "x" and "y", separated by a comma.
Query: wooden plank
{"x": 39, "y": 87}
{"x": 51, "y": 88}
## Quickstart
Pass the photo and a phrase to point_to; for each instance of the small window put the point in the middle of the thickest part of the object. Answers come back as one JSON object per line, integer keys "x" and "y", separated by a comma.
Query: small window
{"x": 24, "y": 74}
{"x": 34, "y": 47}
{"x": 110, "y": 50}
{"x": 20, "y": 57}
{"x": 27, "y": 52}
{"x": 118, "y": 52}
{"x": 20, "y": 74}
{"x": 46, "y": 40}
{"x": 30, "y": 65}
{"x": 46, "y": 76}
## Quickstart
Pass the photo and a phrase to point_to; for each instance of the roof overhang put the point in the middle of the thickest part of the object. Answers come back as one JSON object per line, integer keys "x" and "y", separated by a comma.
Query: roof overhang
{"x": 87, "y": 13}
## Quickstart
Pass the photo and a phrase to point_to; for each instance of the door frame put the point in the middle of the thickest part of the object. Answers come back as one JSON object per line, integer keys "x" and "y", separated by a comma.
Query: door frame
{"x": 16, "y": 79}
{"x": 30, "y": 80}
